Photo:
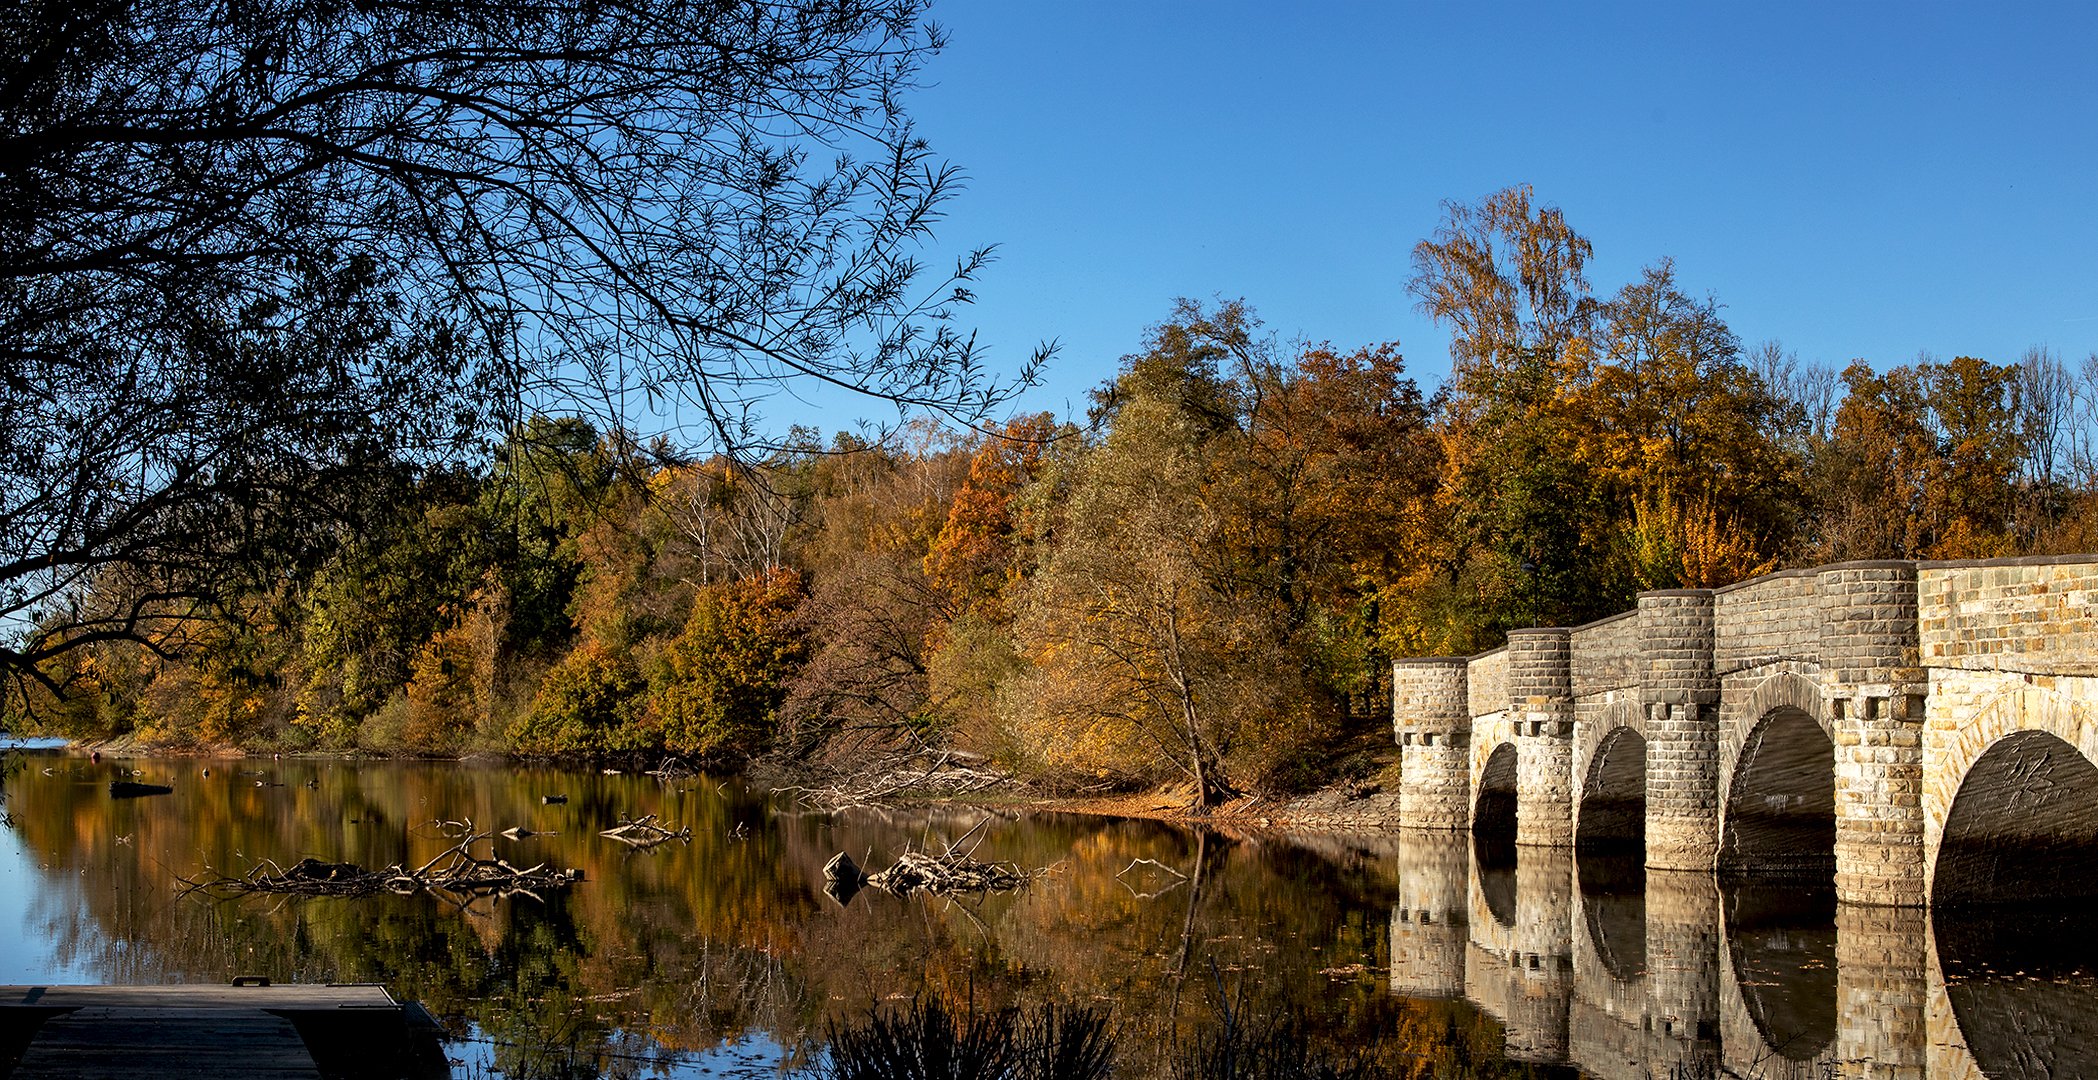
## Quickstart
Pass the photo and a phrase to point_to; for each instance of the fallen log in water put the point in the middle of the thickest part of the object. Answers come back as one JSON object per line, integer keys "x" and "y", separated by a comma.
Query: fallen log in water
{"x": 456, "y": 870}
{"x": 645, "y": 832}
{"x": 131, "y": 789}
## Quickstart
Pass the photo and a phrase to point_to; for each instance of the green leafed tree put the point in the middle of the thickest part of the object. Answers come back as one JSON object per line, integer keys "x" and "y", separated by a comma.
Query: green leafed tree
{"x": 723, "y": 679}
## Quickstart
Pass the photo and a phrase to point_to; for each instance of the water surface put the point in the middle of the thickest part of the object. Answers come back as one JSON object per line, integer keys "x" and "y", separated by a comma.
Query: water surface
{"x": 724, "y": 956}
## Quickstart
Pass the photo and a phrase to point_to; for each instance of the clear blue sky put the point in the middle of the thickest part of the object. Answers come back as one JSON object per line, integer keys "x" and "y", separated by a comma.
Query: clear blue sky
{"x": 1855, "y": 180}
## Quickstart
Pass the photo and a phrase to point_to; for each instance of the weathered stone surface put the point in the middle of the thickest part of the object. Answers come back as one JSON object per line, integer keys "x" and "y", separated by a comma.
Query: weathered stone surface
{"x": 1431, "y": 717}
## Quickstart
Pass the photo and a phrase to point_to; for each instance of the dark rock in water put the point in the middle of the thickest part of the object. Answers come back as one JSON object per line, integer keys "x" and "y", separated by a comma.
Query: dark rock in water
{"x": 552, "y": 800}
{"x": 129, "y": 789}
{"x": 842, "y": 868}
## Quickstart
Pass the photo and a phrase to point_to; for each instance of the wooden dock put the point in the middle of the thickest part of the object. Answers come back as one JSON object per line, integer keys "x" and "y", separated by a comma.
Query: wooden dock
{"x": 249, "y": 1029}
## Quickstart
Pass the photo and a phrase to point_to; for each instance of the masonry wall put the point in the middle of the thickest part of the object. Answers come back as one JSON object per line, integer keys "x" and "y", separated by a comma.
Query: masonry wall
{"x": 1606, "y": 655}
{"x": 2026, "y": 615}
{"x": 1486, "y": 678}
{"x": 1765, "y": 620}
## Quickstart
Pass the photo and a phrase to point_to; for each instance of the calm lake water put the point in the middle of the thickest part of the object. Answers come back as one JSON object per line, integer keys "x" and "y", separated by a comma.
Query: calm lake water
{"x": 723, "y": 956}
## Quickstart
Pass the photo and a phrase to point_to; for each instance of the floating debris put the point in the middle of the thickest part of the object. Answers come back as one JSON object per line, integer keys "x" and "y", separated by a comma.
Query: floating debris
{"x": 673, "y": 768}
{"x": 646, "y": 832}
{"x": 553, "y": 800}
{"x": 842, "y": 878}
{"x": 953, "y": 871}
{"x": 128, "y": 789}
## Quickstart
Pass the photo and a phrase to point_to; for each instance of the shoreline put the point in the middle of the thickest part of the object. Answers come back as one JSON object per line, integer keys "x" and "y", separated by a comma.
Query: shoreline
{"x": 1348, "y": 806}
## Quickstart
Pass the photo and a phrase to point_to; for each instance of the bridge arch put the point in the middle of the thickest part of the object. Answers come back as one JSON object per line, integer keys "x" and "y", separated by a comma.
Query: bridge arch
{"x": 1740, "y": 717}
{"x": 2040, "y": 773}
{"x": 1778, "y": 809}
{"x": 1493, "y": 802}
{"x": 1611, "y": 811}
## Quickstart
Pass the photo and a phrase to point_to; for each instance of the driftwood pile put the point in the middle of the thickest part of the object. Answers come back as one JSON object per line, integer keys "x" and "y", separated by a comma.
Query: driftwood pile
{"x": 912, "y": 774}
{"x": 456, "y": 870}
{"x": 953, "y": 871}
{"x": 949, "y": 873}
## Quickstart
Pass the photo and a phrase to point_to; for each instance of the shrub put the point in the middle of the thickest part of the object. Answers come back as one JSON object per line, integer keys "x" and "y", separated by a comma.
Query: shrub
{"x": 588, "y": 703}
{"x": 926, "y": 1042}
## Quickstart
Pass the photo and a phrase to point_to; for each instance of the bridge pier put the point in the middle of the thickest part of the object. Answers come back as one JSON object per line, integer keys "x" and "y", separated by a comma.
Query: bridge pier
{"x": 1875, "y": 691}
{"x": 1679, "y": 690}
{"x": 1541, "y": 706}
{"x": 1431, "y": 718}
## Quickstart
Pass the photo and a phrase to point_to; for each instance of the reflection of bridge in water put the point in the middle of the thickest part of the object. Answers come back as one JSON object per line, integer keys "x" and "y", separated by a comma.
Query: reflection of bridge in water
{"x": 1676, "y": 975}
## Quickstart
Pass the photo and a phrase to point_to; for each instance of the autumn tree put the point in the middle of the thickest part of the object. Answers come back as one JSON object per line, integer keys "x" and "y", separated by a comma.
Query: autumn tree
{"x": 871, "y": 617}
{"x": 1131, "y": 645}
{"x": 725, "y": 676}
{"x": 1153, "y": 639}
{"x": 1590, "y": 448}
{"x": 1689, "y": 438}
{"x": 1925, "y": 461}
{"x": 973, "y": 560}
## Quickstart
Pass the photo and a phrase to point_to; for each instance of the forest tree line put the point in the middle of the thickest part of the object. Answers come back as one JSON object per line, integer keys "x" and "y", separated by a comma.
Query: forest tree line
{"x": 1201, "y": 580}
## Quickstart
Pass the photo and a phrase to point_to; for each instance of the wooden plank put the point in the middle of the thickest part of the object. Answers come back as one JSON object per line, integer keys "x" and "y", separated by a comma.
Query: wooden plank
{"x": 188, "y": 1032}
{"x": 95, "y": 1043}
{"x": 202, "y": 996}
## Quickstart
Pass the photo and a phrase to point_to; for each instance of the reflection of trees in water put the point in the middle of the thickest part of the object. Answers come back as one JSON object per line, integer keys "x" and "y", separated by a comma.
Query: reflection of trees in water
{"x": 727, "y": 937}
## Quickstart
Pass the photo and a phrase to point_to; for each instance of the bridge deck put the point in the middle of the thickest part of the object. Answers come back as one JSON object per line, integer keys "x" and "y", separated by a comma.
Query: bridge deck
{"x": 198, "y": 1031}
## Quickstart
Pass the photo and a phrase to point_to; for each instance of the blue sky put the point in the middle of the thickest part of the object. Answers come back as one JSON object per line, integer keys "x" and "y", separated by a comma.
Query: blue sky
{"x": 1854, "y": 180}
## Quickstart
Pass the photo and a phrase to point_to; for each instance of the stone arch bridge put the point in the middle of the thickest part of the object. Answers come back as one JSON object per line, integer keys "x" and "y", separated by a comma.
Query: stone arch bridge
{"x": 1927, "y": 731}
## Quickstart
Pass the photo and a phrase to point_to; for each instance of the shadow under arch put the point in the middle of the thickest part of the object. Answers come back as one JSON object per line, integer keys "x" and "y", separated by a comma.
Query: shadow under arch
{"x": 1493, "y": 833}
{"x": 2011, "y": 908}
{"x": 1781, "y": 938}
{"x": 2023, "y": 827}
{"x": 1612, "y": 814}
{"x": 1781, "y": 805}
{"x": 1493, "y": 813}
